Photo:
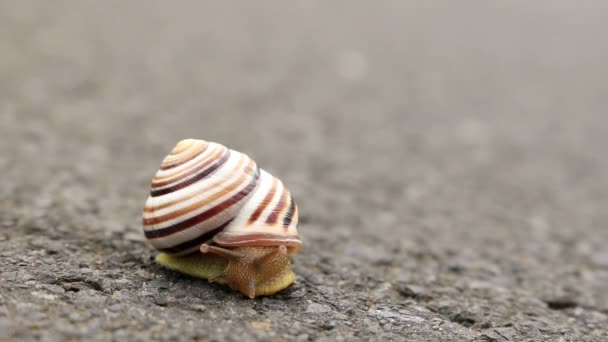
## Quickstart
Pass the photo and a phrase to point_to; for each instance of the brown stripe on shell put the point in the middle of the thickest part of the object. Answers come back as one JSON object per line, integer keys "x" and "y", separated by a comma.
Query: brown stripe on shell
{"x": 196, "y": 241}
{"x": 202, "y": 217}
{"x": 183, "y": 152}
{"x": 205, "y": 201}
{"x": 262, "y": 206}
{"x": 207, "y": 153}
{"x": 250, "y": 168}
{"x": 188, "y": 172}
{"x": 289, "y": 215}
{"x": 206, "y": 172}
{"x": 272, "y": 218}
{"x": 182, "y": 159}
{"x": 292, "y": 243}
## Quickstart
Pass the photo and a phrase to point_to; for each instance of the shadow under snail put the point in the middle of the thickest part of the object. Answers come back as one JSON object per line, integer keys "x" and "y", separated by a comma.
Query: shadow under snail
{"x": 214, "y": 214}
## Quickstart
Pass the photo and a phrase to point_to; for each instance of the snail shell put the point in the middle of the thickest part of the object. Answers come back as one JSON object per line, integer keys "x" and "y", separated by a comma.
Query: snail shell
{"x": 207, "y": 197}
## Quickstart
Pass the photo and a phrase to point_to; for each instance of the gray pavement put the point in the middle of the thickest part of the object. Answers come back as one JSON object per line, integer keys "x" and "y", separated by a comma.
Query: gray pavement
{"x": 449, "y": 161}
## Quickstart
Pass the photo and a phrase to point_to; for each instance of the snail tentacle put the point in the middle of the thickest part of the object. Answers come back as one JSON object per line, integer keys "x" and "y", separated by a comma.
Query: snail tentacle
{"x": 223, "y": 252}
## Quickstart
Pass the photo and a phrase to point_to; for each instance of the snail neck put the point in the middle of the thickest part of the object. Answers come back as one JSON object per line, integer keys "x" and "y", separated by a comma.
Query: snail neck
{"x": 254, "y": 271}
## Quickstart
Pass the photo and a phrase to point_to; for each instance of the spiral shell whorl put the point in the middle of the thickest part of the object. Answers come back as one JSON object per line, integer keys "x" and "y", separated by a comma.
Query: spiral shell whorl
{"x": 205, "y": 191}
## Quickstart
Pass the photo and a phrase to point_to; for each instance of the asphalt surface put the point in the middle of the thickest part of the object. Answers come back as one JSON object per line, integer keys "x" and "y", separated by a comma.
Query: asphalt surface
{"x": 449, "y": 162}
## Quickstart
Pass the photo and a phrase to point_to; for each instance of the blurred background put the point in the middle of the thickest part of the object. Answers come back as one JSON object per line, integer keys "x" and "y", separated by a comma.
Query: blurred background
{"x": 440, "y": 144}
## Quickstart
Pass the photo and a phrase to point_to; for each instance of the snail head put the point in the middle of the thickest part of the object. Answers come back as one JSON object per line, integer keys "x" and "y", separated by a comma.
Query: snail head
{"x": 253, "y": 271}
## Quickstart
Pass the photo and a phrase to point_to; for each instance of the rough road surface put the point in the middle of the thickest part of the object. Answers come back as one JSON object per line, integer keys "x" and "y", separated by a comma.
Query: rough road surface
{"x": 449, "y": 162}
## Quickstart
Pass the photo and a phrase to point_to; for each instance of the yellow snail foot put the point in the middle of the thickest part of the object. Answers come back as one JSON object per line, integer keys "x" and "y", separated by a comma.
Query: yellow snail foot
{"x": 196, "y": 265}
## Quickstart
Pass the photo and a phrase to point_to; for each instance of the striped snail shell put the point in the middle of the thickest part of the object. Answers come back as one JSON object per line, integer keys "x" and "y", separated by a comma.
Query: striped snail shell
{"x": 214, "y": 214}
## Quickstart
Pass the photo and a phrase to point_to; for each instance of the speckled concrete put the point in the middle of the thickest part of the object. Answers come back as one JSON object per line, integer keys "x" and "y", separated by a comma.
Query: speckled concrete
{"x": 449, "y": 162}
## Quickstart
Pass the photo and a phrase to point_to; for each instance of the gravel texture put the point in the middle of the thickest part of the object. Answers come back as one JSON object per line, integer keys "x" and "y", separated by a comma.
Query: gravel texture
{"x": 449, "y": 161}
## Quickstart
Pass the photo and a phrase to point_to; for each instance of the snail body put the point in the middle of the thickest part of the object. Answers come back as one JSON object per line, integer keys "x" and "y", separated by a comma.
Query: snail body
{"x": 214, "y": 214}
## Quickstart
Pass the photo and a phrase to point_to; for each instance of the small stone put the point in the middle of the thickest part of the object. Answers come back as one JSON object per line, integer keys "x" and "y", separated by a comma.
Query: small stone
{"x": 43, "y": 295}
{"x": 489, "y": 337}
{"x": 7, "y": 223}
{"x": 481, "y": 285}
{"x": 543, "y": 324}
{"x": 464, "y": 318}
{"x": 261, "y": 325}
{"x": 412, "y": 291}
{"x": 121, "y": 335}
{"x": 160, "y": 284}
{"x": 506, "y": 332}
{"x": 116, "y": 307}
{"x": 347, "y": 305}
{"x": 561, "y": 303}
{"x": 600, "y": 259}
{"x": 374, "y": 328}
{"x": 180, "y": 293}
{"x": 54, "y": 289}
{"x": 142, "y": 274}
{"x": 316, "y": 308}
{"x": 328, "y": 325}
{"x": 78, "y": 316}
{"x": 160, "y": 300}
{"x": 302, "y": 337}
{"x": 298, "y": 294}
{"x": 106, "y": 285}
{"x": 455, "y": 268}
{"x": 198, "y": 307}
{"x": 37, "y": 316}
{"x": 54, "y": 247}
{"x": 134, "y": 237}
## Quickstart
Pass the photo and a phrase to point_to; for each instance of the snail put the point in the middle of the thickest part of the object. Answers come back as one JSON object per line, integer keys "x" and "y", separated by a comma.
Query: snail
{"x": 214, "y": 214}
